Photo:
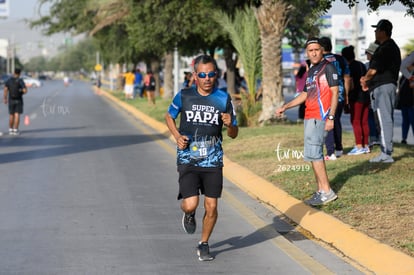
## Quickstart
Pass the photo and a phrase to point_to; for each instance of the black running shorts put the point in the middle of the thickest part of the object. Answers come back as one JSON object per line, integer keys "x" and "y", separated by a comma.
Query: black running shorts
{"x": 15, "y": 106}
{"x": 195, "y": 180}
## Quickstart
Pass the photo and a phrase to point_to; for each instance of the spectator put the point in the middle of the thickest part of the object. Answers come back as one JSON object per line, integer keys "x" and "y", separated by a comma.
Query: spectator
{"x": 372, "y": 123}
{"x": 406, "y": 96}
{"x": 321, "y": 96}
{"x": 188, "y": 80}
{"x": 300, "y": 79}
{"x": 129, "y": 84}
{"x": 358, "y": 103}
{"x": 333, "y": 140}
{"x": 381, "y": 79}
{"x": 149, "y": 86}
{"x": 138, "y": 83}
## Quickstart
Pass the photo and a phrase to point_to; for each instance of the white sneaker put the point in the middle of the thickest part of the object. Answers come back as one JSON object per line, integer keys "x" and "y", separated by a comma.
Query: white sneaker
{"x": 331, "y": 157}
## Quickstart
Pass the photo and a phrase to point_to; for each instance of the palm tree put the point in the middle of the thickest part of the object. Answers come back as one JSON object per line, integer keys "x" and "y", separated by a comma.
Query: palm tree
{"x": 245, "y": 36}
{"x": 272, "y": 16}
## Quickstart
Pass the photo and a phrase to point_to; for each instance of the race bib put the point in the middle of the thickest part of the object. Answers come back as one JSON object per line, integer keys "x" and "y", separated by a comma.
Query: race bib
{"x": 201, "y": 149}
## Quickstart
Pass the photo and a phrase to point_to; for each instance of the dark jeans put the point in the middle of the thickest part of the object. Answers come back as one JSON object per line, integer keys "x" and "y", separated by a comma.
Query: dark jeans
{"x": 333, "y": 140}
{"x": 407, "y": 121}
{"x": 373, "y": 126}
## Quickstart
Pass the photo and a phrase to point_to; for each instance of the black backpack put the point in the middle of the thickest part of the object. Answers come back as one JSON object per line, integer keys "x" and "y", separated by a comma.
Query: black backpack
{"x": 15, "y": 87}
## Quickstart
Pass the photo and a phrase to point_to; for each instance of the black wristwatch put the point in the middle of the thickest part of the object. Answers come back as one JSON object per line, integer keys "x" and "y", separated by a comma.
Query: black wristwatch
{"x": 331, "y": 117}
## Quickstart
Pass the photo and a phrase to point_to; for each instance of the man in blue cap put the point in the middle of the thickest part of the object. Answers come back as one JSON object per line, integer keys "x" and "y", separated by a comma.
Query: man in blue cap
{"x": 381, "y": 80}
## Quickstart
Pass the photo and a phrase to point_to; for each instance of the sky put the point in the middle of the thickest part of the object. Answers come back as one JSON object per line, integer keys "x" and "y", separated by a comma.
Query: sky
{"x": 28, "y": 42}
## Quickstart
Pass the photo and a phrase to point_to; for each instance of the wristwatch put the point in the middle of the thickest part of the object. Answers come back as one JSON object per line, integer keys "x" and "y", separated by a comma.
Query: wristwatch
{"x": 331, "y": 117}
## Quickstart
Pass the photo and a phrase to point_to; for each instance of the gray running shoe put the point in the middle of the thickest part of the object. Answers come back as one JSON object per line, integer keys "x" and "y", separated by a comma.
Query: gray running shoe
{"x": 203, "y": 252}
{"x": 382, "y": 158}
{"x": 189, "y": 223}
{"x": 323, "y": 198}
{"x": 314, "y": 197}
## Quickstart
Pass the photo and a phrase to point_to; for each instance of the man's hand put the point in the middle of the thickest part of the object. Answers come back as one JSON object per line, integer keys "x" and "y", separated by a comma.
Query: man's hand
{"x": 329, "y": 125}
{"x": 280, "y": 111}
{"x": 182, "y": 142}
{"x": 363, "y": 82}
{"x": 226, "y": 118}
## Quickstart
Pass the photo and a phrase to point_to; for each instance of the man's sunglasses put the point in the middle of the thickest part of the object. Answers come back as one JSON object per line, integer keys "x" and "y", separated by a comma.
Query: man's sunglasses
{"x": 209, "y": 74}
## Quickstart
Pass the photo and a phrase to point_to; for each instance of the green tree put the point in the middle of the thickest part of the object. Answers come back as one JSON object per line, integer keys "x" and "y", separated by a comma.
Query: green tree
{"x": 36, "y": 64}
{"x": 409, "y": 47}
{"x": 244, "y": 33}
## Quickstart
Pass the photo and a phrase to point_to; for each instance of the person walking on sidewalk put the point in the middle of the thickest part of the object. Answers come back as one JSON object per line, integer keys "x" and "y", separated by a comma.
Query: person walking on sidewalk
{"x": 381, "y": 79}
{"x": 203, "y": 110}
{"x": 14, "y": 89}
{"x": 321, "y": 96}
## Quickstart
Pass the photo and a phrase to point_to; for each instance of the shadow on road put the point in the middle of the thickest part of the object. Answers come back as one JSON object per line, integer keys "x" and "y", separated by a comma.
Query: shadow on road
{"x": 278, "y": 228}
{"x": 58, "y": 146}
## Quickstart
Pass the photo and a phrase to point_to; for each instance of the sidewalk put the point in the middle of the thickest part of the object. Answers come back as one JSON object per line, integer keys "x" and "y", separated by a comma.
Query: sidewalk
{"x": 368, "y": 252}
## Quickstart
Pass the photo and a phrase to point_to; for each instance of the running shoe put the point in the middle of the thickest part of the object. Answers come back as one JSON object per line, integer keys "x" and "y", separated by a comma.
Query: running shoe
{"x": 323, "y": 198}
{"x": 382, "y": 158}
{"x": 314, "y": 197}
{"x": 357, "y": 151}
{"x": 331, "y": 157}
{"x": 189, "y": 223}
{"x": 203, "y": 252}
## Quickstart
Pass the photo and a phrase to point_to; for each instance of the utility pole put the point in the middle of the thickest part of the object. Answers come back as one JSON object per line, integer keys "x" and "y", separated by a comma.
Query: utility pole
{"x": 355, "y": 33}
{"x": 176, "y": 71}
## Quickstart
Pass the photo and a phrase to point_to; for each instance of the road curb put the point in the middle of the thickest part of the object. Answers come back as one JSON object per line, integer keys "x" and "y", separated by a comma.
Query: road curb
{"x": 368, "y": 252}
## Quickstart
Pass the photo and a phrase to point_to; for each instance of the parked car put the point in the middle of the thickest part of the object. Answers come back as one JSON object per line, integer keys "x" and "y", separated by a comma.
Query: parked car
{"x": 4, "y": 78}
{"x": 31, "y": 82}
{"x": 289, "y": 83}
{"x": 44, "y": 77}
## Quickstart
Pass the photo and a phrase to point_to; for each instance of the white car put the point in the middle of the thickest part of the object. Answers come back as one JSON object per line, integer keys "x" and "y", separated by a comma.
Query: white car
{"x": 31, "y": 82}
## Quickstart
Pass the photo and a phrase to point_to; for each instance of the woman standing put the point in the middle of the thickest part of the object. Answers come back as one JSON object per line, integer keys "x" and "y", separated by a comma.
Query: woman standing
{"x": 359, "y": 103}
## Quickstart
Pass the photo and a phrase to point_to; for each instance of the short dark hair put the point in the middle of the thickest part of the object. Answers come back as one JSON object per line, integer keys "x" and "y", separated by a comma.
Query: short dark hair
{"x": 326, "y": 43}
{"x": 205, "y": 59}
{"x": 348, "y": 53}
{"x": 17, "y": 71}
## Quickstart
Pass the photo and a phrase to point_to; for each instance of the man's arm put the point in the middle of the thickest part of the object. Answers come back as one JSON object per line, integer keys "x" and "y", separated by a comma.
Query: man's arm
{"x": 329, "y": 125}
{"x": 182, "y": 141}
{"x": 23, "y": 86}
{"x": 6, "y": 94}
{"x": 294, "y": 102}
{"x": 367, "y": 77}
{"x": 232, "y": 131}
{"x": 347, "y": 85}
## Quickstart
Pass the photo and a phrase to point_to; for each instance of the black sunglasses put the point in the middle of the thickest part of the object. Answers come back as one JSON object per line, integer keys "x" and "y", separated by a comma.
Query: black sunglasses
{"x": 209, "y": 74}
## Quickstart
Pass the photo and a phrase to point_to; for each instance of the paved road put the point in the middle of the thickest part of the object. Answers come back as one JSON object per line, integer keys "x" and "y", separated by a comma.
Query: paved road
{"x": 88, "y": 189}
